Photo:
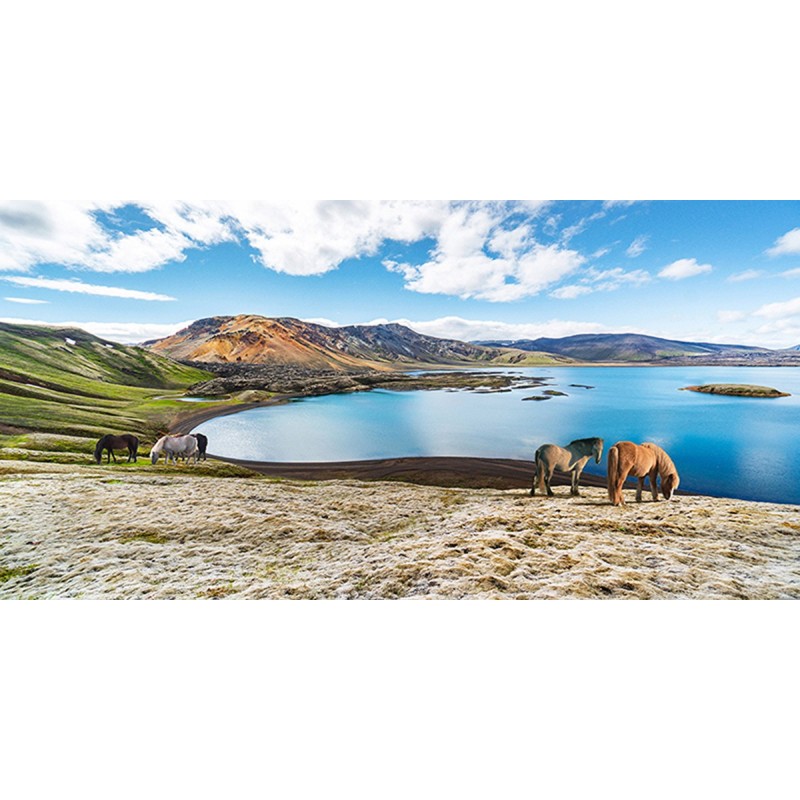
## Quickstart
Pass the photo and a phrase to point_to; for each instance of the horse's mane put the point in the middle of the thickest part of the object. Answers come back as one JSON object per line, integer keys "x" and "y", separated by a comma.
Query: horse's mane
{"x": 589, "y": 442}
{"x": 99, "y": 446}
{"x": 664, "y": 463}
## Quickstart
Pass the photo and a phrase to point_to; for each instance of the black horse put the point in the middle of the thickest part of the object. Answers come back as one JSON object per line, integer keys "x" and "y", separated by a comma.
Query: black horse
{"x": 202, "y": 443}
{"x": 110, "y": 443}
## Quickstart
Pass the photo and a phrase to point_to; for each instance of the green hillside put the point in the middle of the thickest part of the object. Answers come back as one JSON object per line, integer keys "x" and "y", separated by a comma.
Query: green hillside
{"x": 61, "y": 389}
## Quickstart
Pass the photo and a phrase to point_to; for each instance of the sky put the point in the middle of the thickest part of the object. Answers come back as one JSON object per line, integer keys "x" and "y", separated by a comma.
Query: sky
{"x": 718, "y": 271}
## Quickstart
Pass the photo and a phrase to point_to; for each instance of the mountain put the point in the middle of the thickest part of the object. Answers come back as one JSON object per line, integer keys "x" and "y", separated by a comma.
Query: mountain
{"x": 626, "y": 347}
{"x": 252, "y": 339}
{"x": 68, "y": 381}
{"x": 71, "y": 359}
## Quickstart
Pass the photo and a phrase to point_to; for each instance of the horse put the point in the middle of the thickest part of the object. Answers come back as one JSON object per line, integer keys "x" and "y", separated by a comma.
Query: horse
{"x": 640, "y": 461}
{"x": 110, "y": 443}
{"x": 202, "y": 444}
{"x": 572, "y": 458}
{"x": 174, "y": 446}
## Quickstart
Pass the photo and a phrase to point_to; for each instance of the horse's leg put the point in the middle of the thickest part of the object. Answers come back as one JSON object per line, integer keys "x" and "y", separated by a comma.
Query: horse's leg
{"x": 639, "y": 488}
{"x": 653, "y": 487}
{"x": 576, "y": 478}
{"x": 548, "y": 476}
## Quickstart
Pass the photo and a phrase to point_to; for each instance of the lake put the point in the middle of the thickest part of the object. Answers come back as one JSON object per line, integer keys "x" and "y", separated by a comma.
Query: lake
{"x": 727, "y": 446}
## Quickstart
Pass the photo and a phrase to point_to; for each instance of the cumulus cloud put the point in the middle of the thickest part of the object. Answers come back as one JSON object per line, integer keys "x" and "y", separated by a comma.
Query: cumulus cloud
{"x": 746, "y": 275}
{"x": 788, "y": 244}
{"x": 71, "y": 235}
{"x": 637, "y": 246}
{"x": 684, "y": 268}
{"x": 478, "y": 255}
{"x": 60, "y": 285}
{"x": 25, "y": 301}
{"x": 480, "y": 249}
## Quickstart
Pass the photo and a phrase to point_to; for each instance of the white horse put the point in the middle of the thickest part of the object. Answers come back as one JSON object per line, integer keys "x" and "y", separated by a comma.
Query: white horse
{"x": 174, "y": 446}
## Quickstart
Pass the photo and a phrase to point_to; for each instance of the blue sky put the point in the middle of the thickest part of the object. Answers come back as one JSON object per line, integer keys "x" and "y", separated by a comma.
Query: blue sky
{"x": 725, "y": 271}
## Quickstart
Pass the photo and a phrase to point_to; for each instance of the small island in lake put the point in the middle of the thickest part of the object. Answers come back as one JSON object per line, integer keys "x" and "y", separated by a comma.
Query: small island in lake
{"x": 736, "y": 390}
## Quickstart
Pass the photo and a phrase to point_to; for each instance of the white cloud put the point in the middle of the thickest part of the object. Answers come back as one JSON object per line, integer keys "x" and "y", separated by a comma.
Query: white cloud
{"x": 460, "y": 265}
{"x": 60, "y": 285}
{"x": 684, "y": 268}
{"x": 26, "y": 301}
{"x": 787, "y": 244}
{"x": 788, "y": 308}
{"x": 70, "y": 234}
{"x": 637, "y": 246}
{"x": 473, "y": 329}
{"x": 601, "y": 280}
{"x": 125, "y": 332}
{"x": 571, "y": 292}
{"x": 731, "y": 316}
{"x": 499, "y": 258}
{"x": 791, "y": 273}
{"x": 618, "y": 203}
{"x": 746, "y": 275}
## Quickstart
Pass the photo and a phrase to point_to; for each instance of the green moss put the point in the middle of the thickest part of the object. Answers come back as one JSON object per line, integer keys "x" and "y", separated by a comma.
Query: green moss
{"x": 7, "y": 573}
{"x": 145, "y": 536}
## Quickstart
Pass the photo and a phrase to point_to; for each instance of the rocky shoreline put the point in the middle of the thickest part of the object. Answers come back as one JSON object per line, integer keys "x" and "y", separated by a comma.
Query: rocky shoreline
{"x": 290, "y": 379}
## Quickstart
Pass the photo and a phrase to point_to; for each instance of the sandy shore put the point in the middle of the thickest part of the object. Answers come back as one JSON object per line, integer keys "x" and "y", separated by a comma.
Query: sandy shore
{"x": 70, "y": 532}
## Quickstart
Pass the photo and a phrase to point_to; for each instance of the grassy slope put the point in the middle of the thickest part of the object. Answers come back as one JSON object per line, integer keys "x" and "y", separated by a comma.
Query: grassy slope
{"x": 57, "y": 398}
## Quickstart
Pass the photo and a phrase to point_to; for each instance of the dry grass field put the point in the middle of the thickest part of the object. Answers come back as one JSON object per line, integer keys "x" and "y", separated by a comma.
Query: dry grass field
{"x": 70, "y": 531}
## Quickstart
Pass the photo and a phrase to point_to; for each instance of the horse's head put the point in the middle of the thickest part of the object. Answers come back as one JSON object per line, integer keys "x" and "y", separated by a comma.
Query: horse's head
{"x": 597, "y": 450}
{"x": 669, "y": 483}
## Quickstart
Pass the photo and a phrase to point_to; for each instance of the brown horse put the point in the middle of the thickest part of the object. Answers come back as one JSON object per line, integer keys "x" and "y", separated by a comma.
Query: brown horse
{"x": 110, "y": 443}
{"x": 641, "y": 461}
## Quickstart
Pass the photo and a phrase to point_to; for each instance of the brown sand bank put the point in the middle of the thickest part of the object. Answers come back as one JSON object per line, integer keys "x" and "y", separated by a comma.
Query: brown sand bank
{"x": 70, "y": 531}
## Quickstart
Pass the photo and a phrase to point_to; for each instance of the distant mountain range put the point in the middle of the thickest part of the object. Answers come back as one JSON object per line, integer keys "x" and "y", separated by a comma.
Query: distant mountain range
{"x": 252, "y": 339}
{"x": 627, "y": 347}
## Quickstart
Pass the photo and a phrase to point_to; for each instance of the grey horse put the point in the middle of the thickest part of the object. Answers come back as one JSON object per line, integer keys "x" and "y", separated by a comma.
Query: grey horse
{"x": 572, "y": 458}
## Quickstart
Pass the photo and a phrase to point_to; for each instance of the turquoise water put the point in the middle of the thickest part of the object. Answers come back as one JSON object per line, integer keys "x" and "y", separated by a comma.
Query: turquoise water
{"x": 727, "y": 446}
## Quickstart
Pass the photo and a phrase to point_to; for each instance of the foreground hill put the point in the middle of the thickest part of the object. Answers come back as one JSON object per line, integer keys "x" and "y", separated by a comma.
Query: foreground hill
{"x": 251, "y": 339}
{"x": 92, "y": 532}
{"x": 67, "y": 381}
{"x": 630, "y": 347}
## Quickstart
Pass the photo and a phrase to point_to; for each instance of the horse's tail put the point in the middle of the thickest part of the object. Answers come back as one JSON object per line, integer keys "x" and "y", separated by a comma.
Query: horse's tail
{"x": 98, "y": 450}
{"x": 613, "y": 473}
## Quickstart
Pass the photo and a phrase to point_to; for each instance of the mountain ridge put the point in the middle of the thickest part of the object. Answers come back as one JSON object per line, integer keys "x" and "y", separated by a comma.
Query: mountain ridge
{"x": 252, "y": 339}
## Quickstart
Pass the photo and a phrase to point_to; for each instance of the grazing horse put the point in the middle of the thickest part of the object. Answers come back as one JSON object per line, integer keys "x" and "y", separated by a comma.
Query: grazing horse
{"x": 572, "y": 458}
{"x": 202, "y": 444}
{"x": 174, "y": 446}
{"x": 641, "y": 461}
{"x": 110, "y": 443}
